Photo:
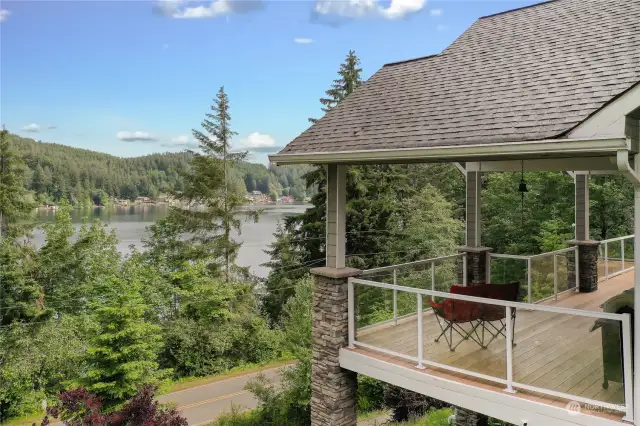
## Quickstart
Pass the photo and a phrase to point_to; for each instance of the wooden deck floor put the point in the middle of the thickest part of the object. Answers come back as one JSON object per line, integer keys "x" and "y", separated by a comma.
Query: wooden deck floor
{"x": 553, "y": 351}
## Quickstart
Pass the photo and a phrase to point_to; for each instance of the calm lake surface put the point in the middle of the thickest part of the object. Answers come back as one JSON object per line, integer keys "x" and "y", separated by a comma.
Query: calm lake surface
{"x": 130, "y": 225}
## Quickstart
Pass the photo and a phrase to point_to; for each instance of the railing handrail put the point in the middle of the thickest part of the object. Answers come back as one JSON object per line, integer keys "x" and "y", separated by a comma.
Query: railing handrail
{"x": 414, "y": 263}
{"x": 530, "y": 256}
{"x": 504, "y": 303}
{"x": 612, "y": 240}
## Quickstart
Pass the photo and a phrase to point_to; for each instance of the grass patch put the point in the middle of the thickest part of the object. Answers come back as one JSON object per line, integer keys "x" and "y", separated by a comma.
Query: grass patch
{"x": 371, "y": 415}
{"x": 433, "y": 418}
{"x": 27, "y": 420}
{"x": 191, "y": 382}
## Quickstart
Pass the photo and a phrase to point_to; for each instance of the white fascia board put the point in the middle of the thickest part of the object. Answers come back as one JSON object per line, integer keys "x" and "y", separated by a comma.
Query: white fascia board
{"x": 595, "y": 164}
{"x": 554, "y": 148}
{"x": 610, "y": 120}
{"x": 500, "y": 405}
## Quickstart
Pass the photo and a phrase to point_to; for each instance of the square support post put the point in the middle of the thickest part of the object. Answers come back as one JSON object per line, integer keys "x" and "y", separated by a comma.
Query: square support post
{"x": 473, "y": 229}
{"x": 477, "y": 257}
{"x": 333, "y": 389}
{"x": 581, "y": 182}
{"x": 336, "y": 215}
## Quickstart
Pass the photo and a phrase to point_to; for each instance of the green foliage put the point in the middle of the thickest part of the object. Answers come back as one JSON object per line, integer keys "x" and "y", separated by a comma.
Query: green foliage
{"x": 370, "y": 394}
{"x": 122, "y": 355}
{"x": 349, "y": 79}
{"x": 14, "y": 201}
{"x": 36, "y": 362}
{"x": 208, "y": 187}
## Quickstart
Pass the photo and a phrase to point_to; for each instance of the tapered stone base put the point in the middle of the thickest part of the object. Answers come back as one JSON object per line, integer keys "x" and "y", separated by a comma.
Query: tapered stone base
{"x": 587, "y": 265}
{"x": 333, "y": 389}
{"x": 476, "y": 265}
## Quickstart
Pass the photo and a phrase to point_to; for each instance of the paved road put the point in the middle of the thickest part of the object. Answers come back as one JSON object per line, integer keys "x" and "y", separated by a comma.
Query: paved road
{"x": 203, "y": 404}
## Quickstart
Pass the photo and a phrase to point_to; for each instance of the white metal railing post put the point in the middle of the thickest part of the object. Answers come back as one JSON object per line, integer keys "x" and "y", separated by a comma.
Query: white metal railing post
{"x": 529, "y": 279}
{"x": 555, "y": 275}
{"x": 622, "y": 254}
{"x": 420, "y": 366}
{"x": 627, "y": 355}
{"x": 464, "y": 269}
{"x": 576, "y": 263}
{"x": 509, "y": 351}
{"x": 433, "y": 276}
{"x": 395, "y": 297}
{"x": 606, "y": 261}
{"x": 351, "y": 309}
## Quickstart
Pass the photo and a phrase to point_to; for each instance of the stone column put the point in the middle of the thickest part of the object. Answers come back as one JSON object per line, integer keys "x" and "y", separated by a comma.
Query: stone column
{"x": 477, "y": 258}
{"x": 587, "y": 265}
{"x": 333, "y": 389}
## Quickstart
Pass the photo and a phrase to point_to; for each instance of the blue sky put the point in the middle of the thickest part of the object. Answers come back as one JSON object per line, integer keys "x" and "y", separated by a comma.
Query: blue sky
{"x": 134, "y": 77}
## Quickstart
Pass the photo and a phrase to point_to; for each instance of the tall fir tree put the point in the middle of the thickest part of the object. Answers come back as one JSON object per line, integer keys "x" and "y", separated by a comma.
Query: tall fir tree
{"x": 348, "y": 80}
{"x": 122, "y": 354}
{"x": 209, "y": 192}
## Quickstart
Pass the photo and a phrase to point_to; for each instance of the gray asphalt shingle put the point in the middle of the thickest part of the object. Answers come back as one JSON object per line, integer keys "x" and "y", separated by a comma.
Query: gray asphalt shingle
{"x": 528, "y": 74}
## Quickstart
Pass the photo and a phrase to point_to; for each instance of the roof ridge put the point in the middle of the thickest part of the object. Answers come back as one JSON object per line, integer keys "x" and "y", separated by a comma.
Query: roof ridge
{"x": 411, "y": 60}
{"x": 519, "y": 8}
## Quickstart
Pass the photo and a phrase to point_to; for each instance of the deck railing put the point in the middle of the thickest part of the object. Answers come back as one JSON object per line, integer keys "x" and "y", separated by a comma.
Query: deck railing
{"x": 528, "y": 260}
{"x": 568, "y": 332}
{"x": 612, "y": 255}
{"x": 394, "y": 270}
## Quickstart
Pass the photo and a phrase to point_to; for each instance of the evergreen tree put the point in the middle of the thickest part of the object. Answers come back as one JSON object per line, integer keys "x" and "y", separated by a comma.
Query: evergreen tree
{"x": 122, "y": 355}
{"x": 349, "y": 79}
{"x": 208, "y": 188}
{"x": 15, "y": 201}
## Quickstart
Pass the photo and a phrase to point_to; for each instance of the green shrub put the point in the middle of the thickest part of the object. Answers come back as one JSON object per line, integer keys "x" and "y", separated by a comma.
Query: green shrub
{"x": 370, "y": 394}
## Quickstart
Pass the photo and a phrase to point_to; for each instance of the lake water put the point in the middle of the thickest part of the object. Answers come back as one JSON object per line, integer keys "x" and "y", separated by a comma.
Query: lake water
{"x": 130, "y": 224}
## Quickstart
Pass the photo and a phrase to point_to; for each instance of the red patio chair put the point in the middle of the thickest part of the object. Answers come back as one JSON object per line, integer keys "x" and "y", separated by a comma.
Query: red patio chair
{"x": 451, "y": 314}
{"x": 492, "y": 314}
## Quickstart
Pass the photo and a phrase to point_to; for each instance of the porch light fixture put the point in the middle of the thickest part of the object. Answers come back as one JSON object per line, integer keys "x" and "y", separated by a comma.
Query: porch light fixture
{"x": 522, "y": 188}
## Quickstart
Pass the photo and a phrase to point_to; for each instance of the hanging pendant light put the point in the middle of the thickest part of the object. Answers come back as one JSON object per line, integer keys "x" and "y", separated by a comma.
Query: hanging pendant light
{"x": 522, "y": 188}
{"x": 523, "y": 185}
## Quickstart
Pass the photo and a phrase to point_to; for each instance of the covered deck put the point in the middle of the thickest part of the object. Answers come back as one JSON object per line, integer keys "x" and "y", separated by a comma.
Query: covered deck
{"x": 554, "y": 351}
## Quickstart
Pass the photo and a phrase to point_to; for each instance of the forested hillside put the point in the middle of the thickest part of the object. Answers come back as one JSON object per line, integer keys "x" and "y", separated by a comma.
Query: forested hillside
{"x": 88, "y": 177}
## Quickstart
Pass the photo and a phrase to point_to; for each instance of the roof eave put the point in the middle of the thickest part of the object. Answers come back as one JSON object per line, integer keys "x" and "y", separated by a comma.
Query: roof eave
{"x": 547, "y": 148}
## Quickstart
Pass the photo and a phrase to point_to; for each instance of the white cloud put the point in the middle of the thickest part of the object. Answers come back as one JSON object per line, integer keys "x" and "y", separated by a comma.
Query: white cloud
{"x": 177, "y": 8}
{"x": 4, "y": 14}
{"x": 436, "y": 12}
{"x": 259, "y": 142}
{"x": 180, "y": 140}
{"x": 52, "y": 127}
{"x": 441, "y": 27}
{"x": 135, "y": 136}
{"x": 33, "y": 127}
{"x": 302, "y": 40}
{"x": 353, "y": 9}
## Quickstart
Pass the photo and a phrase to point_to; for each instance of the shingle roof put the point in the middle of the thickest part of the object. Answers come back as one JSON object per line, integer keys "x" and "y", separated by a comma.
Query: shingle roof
{"x": 527, "y": 74}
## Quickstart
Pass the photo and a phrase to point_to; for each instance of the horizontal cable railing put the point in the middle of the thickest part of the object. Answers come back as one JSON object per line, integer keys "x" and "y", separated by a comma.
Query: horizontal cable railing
{"x": 616, "y": 257}
{"x": 556, "y": 346}
{"x": 395, "y": 271}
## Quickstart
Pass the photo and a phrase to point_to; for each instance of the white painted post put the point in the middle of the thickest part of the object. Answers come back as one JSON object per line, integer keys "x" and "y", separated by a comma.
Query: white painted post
{"x": 636, "y": 296}
{"x": 555, "y": 276}
{"x": 509, "y": 352}
{"x": 606, "y": 261}
{"x": 622, "y": 254}
{"x": 420, "y": 366}
{"x": 351, "y": 310}
{"x": 395, "y": 297}
{"x": 336, "y": 215}
{"x": 627, "y": 366}
{"x": 464, "y": 269}
{"x": 433, "y": 276}
{"x": 529, "y": 280}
